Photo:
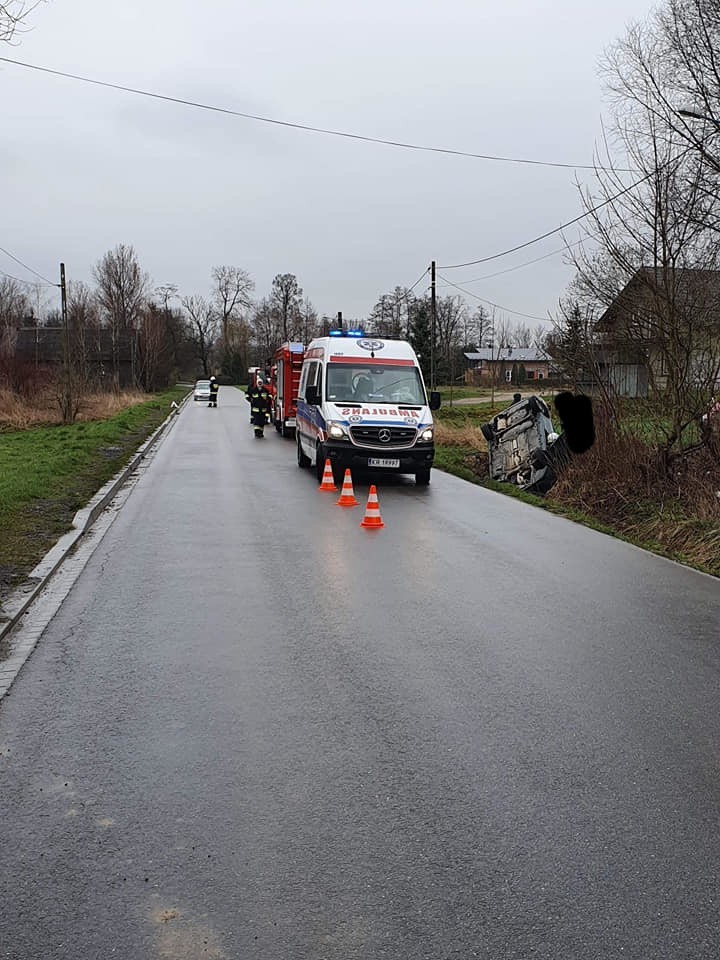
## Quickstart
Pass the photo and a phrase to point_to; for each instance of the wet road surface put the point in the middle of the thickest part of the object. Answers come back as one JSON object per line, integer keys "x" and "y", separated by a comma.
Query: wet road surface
{"x": 255, "y": 730}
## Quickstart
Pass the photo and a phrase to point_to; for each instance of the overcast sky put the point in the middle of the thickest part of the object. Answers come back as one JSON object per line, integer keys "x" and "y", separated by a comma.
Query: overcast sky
{"x": 84, "y": 168}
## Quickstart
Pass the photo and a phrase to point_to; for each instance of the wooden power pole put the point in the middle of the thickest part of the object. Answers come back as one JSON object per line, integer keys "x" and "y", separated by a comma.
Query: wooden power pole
{"x": 433, "y": 320}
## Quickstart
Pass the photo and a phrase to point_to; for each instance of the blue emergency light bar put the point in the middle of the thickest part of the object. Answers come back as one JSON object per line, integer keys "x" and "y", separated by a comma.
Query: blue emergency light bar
{"x": 347, "y": 333}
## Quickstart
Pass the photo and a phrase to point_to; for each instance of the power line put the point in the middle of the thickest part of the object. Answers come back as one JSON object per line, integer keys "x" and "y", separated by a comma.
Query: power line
{"x": 26, "y": 283}
{"x": 550, "y": 233}
{"x": 527, "y": 263}
{"x": 303, "y": 126}
{"x": 17, "y": 260}
{"x": 528, "y": 316}
{"x": 410, "y": 290}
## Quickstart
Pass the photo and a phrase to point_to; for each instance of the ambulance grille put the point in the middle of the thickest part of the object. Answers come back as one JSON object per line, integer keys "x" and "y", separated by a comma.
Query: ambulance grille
{"x": 370, "y": 436}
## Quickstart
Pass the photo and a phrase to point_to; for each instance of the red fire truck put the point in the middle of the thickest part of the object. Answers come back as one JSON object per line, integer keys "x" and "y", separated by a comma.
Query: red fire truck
{"x": 285, "y": 373}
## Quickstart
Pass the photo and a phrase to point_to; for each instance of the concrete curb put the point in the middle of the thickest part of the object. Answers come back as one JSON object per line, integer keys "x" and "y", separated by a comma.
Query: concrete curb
{"x": 19, "y": 602}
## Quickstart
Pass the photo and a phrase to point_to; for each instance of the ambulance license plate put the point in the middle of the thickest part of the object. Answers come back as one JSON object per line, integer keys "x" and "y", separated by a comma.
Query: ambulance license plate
{"x": 378, "y": 462}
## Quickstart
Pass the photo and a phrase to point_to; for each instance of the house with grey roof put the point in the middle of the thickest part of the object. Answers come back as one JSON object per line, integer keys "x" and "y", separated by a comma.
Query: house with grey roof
{"x": 507, "y": 365}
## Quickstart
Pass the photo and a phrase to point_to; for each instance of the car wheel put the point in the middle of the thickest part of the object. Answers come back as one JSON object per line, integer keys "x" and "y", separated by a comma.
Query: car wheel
{"x": 487, "y": 431}
{"x": 422, "y": 478}
{"x": 302, "y": 460}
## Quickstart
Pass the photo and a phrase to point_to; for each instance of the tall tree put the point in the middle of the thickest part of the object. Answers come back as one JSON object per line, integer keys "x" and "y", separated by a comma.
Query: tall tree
{"x": 521, "y": 336}
{"x": 122, "y": 288}
{"x": 420, "y": 335}
{"x": 267, "y": 324}
{"x": 286, "y": 296}
{"x": 232, "y": 298}
{"x": 14, "y": 307}
{"x": 390, "y": 315}
{"x": 232, "y": 295}
{"x": 667, "y": 64}
{"x": 309, "y": 320}
{"x": 83, "y": 314}
{"x": 203, "y": 327}
{"x": 450, "y": 316}
{"x": 660, "y": 233}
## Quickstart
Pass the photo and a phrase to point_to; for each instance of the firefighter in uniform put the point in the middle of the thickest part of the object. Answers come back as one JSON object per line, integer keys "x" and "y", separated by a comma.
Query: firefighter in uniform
{"x": 214, "y": 388}
{"x": 259, "y": 400}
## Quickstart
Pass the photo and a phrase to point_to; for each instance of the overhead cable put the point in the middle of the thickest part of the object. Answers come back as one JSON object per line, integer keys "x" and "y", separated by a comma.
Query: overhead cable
{"x": 550, "y": 233}
{"x": 17, "y": 260}
{"x": 528, "y": 316}
{"x": 302, "y": 126}
{"x": 526, "y": 263}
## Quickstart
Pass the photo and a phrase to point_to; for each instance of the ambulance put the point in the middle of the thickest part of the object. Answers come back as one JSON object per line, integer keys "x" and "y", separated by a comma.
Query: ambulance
{"x": 362, "y": 404}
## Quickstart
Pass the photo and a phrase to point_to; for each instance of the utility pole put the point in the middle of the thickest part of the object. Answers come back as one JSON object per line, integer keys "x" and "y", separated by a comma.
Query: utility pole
{"x": 339, "y": 320}
{"x": 433, "y": 320}
{"x": 67, "y": 397}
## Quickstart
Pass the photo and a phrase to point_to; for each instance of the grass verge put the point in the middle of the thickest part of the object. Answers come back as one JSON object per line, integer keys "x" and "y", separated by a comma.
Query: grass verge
{"x": 49, "y": 473}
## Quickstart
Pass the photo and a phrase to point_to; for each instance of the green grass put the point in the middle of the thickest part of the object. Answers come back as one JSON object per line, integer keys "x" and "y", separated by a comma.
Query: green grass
{"x": 49, "y": 473}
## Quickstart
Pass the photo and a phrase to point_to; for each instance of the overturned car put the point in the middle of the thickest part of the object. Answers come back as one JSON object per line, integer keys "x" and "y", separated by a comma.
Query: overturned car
{"x": 523, "y": 447}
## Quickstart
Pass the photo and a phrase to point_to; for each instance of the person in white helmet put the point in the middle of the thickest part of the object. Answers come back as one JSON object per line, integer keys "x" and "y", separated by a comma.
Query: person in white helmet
{"x": 214, "y": 389}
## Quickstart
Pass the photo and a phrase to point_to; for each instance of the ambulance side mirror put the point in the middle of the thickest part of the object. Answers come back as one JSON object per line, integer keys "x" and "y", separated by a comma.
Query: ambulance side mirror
{"x": 311, "y": 395}
{"x": 435, "y": 400}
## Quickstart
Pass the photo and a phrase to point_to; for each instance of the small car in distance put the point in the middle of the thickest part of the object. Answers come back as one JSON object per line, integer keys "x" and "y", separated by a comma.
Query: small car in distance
{"x": 202, "y": 390}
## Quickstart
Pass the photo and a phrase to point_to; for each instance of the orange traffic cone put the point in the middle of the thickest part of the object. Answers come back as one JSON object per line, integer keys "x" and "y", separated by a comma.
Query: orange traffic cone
{"x": 347, "y": 497}
{"x": 372, "y": 518}
{"x": 328, "y": 481}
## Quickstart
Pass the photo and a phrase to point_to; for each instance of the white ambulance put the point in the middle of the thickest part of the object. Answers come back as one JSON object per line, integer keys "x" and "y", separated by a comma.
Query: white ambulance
{"x": 362, "y": 404}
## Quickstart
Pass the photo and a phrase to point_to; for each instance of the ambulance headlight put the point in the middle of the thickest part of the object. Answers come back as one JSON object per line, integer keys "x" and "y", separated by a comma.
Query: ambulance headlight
{"x": 426, "y": 435}
{"x": 336, "y": 430}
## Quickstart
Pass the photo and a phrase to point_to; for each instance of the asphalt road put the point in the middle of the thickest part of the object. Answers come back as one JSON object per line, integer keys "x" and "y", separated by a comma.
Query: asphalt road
{"x": 256, "y": 730}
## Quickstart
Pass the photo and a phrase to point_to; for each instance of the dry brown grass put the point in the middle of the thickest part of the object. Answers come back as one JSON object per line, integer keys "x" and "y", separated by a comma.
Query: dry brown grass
{"x": 43, "y": 410}
{"x": 622, "y": 483}
{"x": 448, "y": 435}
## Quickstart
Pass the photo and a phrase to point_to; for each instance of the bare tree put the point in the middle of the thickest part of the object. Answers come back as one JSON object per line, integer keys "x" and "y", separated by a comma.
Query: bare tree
{"x": 286, "y": 295}
{"x": 13, "y": 14}
{"x": 203, "y": 324}
{"x": 14, "y": 307}
{"x": 450, "y": 317}
{"x": 267, "y": 324}
{"x": 390, "y": 317}
{"x": 502, "y": 329}
{"x": 83, "y": 314}
{"x": 310, "y": 323}
{"x": 521, "y": 336}
{"x": 654, "y": 251}
{"x": 668, "y": 65}
{"x": 232, "y": 289}
{"x": 122, "y": 288}
{"x": 540, "y": 335}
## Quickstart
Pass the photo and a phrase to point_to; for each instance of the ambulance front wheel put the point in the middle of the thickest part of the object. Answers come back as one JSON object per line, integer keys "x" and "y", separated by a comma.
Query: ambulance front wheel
{"x": 302, "y": 460}
{"x": 320, "y": 462}
{"x": 422, "y": 478}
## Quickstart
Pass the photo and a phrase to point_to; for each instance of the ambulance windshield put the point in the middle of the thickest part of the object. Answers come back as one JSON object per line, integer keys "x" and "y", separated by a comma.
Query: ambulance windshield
{"x": 368, "y": 383}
